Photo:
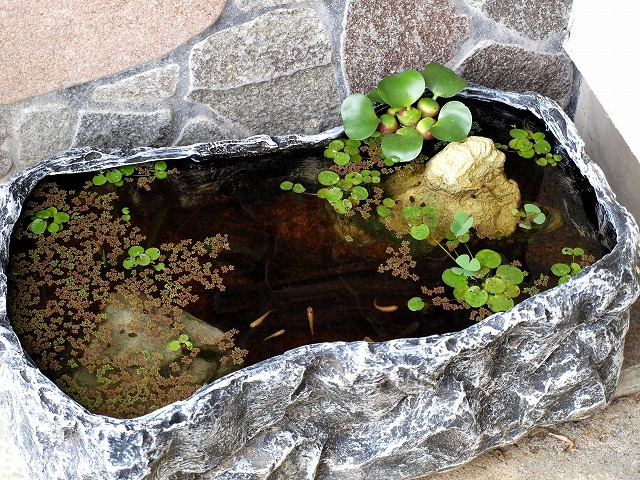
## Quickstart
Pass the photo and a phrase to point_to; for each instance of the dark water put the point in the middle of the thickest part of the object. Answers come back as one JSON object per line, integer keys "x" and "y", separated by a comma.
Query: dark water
{"x": 289, "y": 255}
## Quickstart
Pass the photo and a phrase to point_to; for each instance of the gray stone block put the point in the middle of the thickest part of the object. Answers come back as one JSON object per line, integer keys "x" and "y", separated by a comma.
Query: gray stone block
{"x": 306, "y": 102}
{"x": 43, "y": 131}
{"x": 202, "y": 130}
{"x": 382, "y": 38}
{"x": 276, "y": 44}
{"x": 537, "y": 20}
{"x": 116, "y": 129}
{"x": 6, "y": 162}
{"x": 510, "y": 67}
{"x": 150, "y": 86}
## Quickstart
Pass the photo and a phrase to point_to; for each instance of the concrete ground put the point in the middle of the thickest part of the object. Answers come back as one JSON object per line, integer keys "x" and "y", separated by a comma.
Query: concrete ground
{"x": 73, "y": 41}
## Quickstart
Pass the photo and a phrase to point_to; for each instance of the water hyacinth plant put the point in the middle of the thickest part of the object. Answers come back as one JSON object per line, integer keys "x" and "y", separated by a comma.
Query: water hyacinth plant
{"x": 412, "y": 117}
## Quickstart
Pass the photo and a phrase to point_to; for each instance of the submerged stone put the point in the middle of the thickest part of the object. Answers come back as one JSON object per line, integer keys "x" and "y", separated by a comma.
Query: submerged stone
{"x": 466, "y": 177}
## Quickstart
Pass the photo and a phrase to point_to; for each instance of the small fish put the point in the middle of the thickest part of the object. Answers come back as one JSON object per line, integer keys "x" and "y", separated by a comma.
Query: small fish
{"x": 259, "y": 320}
{"x": 277, "y": 334}
{"x": 384, "y": 308}
{"x": 310, "y": 317}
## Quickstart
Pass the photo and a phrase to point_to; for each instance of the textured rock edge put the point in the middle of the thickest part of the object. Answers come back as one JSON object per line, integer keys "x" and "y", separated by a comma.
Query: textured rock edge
{"x": 397, "y": 409}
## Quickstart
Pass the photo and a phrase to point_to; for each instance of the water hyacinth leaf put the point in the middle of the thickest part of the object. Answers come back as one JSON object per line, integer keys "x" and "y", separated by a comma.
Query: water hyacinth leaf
{"x": 442, "y": 81}
{"x": 415, "y": 304}
{"x": 173, "y": 345}
{"x": 475, "y": 296}
{"x": 420, "y": 232}
{"x": 99, "y": 179}
{"x": 358, "y": 116}
{"x": 499, "y": 303}
{"x": 405, "y": 144}
{"x": 286, "y": 185}
{"x": 402, "y": 89}
{"x": 374, "y": 95}
{"x": 328, "y": 178}
{"x": 510, "y": 274}
{"x": 453, "y": 279}
{"x": 489, "y": 258}
{"x": 299, "y": 188}
{"x": 454, "y": 122}
{"x": 38, "y": 226}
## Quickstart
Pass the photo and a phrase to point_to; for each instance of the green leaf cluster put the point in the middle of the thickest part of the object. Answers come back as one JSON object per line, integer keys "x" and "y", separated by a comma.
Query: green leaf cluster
{"x": 48, "y": 220}
{"x": 113, "y": 175}
{"x": 411, "y": 117}
{"x": 139, "y": 256}
{"x": 564, "y": 271}
{"x": 344, "y": 151}
{"x": 530, "y": 144}
{"x": 530, "y": 215}
{"x": 179, "y": 343}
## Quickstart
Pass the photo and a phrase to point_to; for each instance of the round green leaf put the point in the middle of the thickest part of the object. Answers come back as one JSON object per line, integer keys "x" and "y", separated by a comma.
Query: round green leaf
{"x": 160, "y": 174}
{"x": 402, "y": 89}
{"x": 129, "y": 263}
{"x": 518, "y": 133}
{"x": 402, "y": 144}
{"x": 359, "y": 193}
{"x": 454, "y": 122}
{"x": 38, "y": 226}
{"x": 114, "y": 176}
{"x": 286, "y": 185}
{"x": 453, "y": 279}
{"x": 160, "y": 165}
{"x": 126, "y": 211}
{"x": 358, "y": 116}
{"x": 99, "y": 179}
{"x": 526, "y": 153}
{"x": 415, "y": 304}
{"x": 173, "y": 345}
{"x": 494, "y": 285}
{"x": 153, "y": 253}
{"x": 542, "y": 146}
{"x": 127, "y": 170}
{"x": 499, "y": 303}
{"x": 299, "y": 188}
{"x": 510, "y": 274}
{"x": 512, "y": 291}
{"x": 342, "y": 206}
{"x": 475, "y": 296}
{"x": 489, "y": 258}
{"x": 135, "y": 251}
{"x": 334, "y": 194}
{"x": 383, "y": 211}
{"x": 341, "y": 158}
{"x": 53, "y": 227}
{"x": 443, "y": 81}
{"x": 354, "y": 177}
{"x": 560, "y": 269}
{"x": 578, "y": 251}
{"x": 420, "y": 232}
{"x": 143, "y": 259}
{"x": 61, "y": 217}
{"x": 184, "y": 338}
{"x": 328, "y": 178}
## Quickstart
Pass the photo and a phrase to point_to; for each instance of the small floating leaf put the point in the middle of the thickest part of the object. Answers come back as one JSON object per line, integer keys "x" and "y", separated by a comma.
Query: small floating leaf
{"x": 99, "y": 179}
{"x": 299, "y": 188}
{"x": 328, "y": 177}
{"x": 174, "y": 345}
{"x": 420, "y": 232}
{"x": 560, "y": 269}
{"x": 499, "y": 303}
{"x": 38, "y": 226}
{"x": 415, "y": 304}
{"x": 475, "y": 296}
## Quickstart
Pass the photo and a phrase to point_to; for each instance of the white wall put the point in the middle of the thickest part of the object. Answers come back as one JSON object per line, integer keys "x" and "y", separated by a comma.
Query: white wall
{"x": 604, "y": 43}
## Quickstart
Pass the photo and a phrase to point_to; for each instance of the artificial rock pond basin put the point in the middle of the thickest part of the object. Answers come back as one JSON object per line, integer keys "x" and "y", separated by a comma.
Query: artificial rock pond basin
{"x": 268, "y": 255}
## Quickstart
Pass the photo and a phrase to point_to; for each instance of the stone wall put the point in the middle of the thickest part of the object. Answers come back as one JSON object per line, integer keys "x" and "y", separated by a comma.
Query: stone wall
{"x": 275, "y": 67}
